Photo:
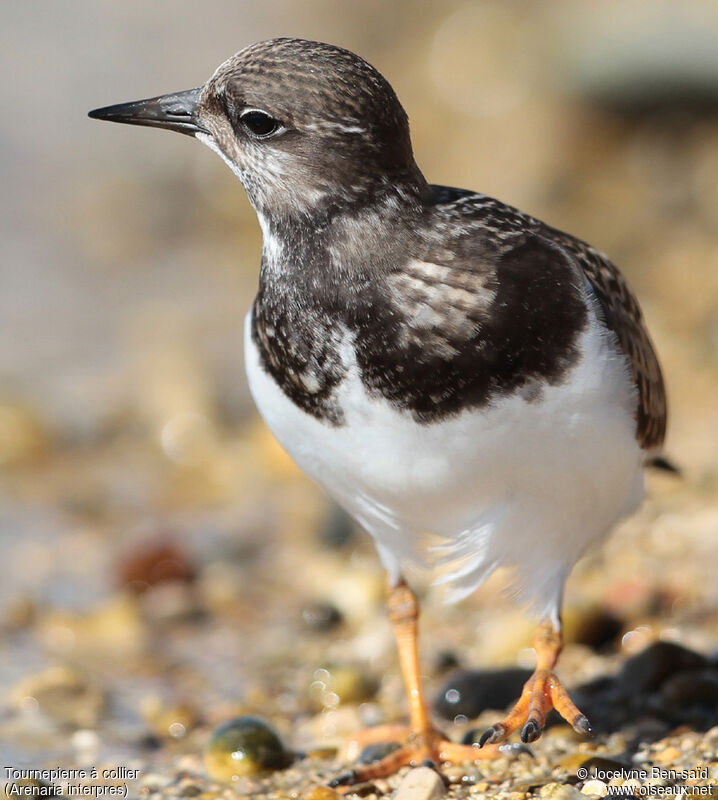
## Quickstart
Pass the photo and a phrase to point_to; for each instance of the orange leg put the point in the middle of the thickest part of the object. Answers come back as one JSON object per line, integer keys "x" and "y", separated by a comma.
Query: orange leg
{"x": 542, "y": 692}
{"x": 422, "y": 743}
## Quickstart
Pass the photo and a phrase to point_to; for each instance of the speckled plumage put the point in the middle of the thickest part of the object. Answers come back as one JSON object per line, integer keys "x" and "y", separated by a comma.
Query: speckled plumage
{"x": 439, "y": 361}
{"x": 442, "y": 291}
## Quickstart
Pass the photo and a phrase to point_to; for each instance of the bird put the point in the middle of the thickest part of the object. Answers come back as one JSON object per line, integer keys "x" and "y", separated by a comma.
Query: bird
{"x": 477, "y": 388}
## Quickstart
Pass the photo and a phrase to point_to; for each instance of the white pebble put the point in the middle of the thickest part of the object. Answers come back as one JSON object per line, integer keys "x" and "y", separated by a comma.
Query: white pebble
{"x": 84, "y": 740}
{"x": 422, "y": 783}
{"x": 594, "y": 787}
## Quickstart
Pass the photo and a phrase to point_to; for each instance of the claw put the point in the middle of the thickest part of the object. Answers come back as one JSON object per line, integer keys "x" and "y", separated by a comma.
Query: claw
{"x": 491, "y": 735}
{"x": 582, "y": 725}
{"x": 345, "y": 779}
{"x": 530, "y": 731}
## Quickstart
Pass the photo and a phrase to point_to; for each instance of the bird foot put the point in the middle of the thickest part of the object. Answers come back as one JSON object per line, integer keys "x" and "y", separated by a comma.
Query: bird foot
{"x": 542, "y": 692}
{"x": 417, "y": 749}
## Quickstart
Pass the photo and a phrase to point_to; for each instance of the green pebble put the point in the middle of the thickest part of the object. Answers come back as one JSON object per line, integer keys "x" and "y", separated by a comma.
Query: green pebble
{"x": 242, "y": 747}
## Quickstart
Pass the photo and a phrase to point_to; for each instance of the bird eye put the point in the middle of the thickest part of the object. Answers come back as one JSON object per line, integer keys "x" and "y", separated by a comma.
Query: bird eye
{"x": 259, "y": 124}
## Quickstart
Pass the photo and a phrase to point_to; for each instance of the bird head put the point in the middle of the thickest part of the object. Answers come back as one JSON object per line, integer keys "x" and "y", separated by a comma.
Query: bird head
{"x": 304, "y": 125}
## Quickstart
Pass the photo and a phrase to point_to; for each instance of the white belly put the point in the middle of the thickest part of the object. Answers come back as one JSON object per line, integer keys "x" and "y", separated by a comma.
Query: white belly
{"x": 522, "y": 484}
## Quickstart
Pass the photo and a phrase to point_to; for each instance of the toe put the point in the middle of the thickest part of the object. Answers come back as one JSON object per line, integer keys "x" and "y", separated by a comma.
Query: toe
{"x": 530, "y": 731}
{"x": 492, "y": 735}
{"x": 582, "y": 725}
{"x": 345, "y": 779}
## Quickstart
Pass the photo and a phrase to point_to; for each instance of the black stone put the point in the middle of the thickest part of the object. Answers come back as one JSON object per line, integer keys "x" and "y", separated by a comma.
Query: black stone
{"x": 470, "y": 692}
{"x": 375, "y": 752}
{"x": 692, "y": 687}
{"x": 645, "y": 672}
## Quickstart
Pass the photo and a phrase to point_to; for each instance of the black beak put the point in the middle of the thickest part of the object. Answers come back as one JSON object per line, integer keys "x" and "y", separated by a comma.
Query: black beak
{"x": 176, "y": 112}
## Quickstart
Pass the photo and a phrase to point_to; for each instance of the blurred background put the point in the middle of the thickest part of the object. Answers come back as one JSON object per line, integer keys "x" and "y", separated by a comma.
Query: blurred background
{"x": 163, "y": 565}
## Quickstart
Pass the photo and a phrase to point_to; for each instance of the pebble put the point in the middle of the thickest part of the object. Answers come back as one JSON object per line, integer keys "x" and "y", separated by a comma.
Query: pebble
{"x": 469, "y": 692}
{"x": 456, "y": 773}
{"x": 375, "y": 752}
{"x": 242, "y": 747}
{"x": 594, "y": 787}
{"x": 559, "y": 791}
{"x": 669, "y": 755}
{"x": 321, "y": 617}
{"x": 420, "y": 783}
{"x": 691, "y": 687}
{"x": 320, "y": 793}
{"x": 645, "y": 672}
{"x": 189, "y": 788}
{"x": 154, "y": 561}
{"x": 154, "y": 782}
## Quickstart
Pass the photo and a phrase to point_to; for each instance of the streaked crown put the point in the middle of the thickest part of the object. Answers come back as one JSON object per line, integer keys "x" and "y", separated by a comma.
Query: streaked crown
{"x": 311, "y": 114}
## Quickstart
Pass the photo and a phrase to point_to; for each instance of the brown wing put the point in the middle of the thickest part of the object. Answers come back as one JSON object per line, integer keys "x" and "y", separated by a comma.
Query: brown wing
{"x": 620, "y": 309}
{"x": 623, "y": 316}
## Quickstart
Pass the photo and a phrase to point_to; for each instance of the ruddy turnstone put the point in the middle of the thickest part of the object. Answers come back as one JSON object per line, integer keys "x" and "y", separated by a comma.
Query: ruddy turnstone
{"x": 437, "y": 360}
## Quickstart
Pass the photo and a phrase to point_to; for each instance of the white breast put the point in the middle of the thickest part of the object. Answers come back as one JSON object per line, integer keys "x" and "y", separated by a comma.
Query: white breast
{"x": 524, "y": 484}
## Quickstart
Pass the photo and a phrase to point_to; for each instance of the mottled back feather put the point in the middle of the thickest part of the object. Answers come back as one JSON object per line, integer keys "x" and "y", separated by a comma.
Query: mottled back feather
{"x": 619, "y": 306}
